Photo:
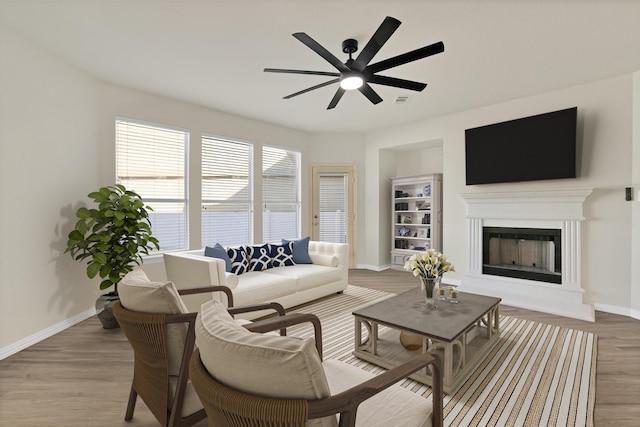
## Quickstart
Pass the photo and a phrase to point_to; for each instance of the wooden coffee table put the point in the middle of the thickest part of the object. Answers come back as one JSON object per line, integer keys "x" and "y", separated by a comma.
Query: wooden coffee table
{"x": 462, "y": 334}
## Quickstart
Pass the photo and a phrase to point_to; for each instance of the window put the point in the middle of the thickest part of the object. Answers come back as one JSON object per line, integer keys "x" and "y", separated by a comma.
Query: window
{"x": 226, "y": 191}
{"x": 150, "y": 160}
{"x": 333, "y": 207}
{"x": 280, "y": 194}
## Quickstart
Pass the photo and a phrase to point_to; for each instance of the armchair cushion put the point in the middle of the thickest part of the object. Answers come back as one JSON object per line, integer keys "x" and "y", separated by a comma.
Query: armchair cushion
{"x": 395, "y": 406}
{"x": 138, "y": 293}
{"x": 191, "y": 403}
{"x": 287, "y": 367}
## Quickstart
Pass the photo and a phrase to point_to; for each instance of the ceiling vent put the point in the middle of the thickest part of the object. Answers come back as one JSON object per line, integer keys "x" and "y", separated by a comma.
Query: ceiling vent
{"x": 402, "y": 99}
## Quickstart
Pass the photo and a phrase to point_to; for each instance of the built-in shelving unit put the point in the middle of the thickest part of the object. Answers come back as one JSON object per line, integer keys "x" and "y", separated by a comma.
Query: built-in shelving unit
{"x": 416, "y": 220}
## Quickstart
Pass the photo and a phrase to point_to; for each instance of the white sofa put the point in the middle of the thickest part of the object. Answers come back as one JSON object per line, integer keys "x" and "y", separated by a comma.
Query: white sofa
{"x": 289, "y": 286}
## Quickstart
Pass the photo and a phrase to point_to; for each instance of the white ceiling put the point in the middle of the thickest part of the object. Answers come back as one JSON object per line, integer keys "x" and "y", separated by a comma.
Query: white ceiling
{"x": 212, "y": 53}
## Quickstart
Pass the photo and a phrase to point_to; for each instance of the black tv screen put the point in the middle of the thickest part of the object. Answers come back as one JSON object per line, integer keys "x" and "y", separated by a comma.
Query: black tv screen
{"x": 528, "y": 149}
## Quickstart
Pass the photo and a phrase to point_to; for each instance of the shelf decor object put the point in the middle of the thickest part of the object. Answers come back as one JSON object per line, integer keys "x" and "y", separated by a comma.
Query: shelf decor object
{"x": 416, "y": 218}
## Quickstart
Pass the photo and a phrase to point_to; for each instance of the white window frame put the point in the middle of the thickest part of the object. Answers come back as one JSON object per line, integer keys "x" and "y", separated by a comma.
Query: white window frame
{"x": 206, "y": 203}
{"x": 158, "y": 229}
{"x": 284, "y": 201}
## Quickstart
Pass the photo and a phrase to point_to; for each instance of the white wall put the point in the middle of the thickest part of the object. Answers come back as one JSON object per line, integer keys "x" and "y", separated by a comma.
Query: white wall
{"x": 635, "y": 204}
{"x": 419, "y": 161}
{"x": 48, "y": 162}
{"x": 57, "y": 138}
{"x": 339, "y": 149}
{"x": 605, "y": 123}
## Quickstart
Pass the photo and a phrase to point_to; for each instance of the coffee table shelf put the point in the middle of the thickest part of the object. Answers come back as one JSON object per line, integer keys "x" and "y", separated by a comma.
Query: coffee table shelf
{"x": 462, "y": 334}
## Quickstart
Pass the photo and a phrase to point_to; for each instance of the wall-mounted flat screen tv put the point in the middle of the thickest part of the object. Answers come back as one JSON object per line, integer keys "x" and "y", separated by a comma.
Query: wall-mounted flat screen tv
{"x": 532, "y": 148}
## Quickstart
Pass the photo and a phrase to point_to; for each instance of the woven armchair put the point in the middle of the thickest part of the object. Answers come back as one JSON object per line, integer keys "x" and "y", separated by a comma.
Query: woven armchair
{"x": 162, "y": 344}
{"x": 232, "y": 406}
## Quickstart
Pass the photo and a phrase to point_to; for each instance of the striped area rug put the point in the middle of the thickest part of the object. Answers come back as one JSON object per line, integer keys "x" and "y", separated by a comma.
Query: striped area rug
{"x": 536, "y": 375}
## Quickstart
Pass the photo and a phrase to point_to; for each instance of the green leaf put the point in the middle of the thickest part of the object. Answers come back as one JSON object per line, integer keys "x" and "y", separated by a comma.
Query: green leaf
{"x": 100, "y": 258}
{"x": 105, "y": 284}
{"x": 83, "y": 213}
{"x": 93, "y": 269}
{"x": 75, "y": 235}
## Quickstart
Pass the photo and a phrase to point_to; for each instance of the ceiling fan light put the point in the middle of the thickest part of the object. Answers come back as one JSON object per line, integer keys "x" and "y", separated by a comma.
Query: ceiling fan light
{"x": 351, "y": 81}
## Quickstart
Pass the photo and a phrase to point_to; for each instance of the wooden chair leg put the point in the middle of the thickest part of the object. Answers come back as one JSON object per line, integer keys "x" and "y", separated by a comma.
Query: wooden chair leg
{"x": 131, "y": 406}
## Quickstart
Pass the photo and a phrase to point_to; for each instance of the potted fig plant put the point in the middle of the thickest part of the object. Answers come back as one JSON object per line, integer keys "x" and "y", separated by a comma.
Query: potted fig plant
{"x": 113, "y": 237}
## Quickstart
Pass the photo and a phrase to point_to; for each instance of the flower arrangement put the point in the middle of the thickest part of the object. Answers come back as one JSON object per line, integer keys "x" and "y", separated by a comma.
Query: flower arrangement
{"x": 428, "y": 264}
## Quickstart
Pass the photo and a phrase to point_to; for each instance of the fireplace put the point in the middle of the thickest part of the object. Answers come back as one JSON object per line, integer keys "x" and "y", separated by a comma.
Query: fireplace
{"x": 525, "y": 247}
{"x": 522, "y": 253}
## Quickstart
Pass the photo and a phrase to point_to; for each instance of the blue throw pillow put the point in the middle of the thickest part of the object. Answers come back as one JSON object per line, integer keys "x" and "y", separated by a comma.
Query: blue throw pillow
{"x": 259, "y": 257}
{"x": 217, "y": 251}
{"x": 239, "y": 260}
{"x": 281, "y": 255}
{"x": 300, "y": 250}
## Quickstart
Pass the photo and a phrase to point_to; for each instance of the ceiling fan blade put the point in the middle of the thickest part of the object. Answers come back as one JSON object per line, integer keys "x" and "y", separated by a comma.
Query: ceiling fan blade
{"x": 379, "y": 38}
{"x": 370, "y": 93}
{"x": 401, "y": 83}
{"x": 414, "y": 55}
{"x": 336, "y": 98}
{"x": 320, "y": 50}
{"x": 314, "y": 73}
{"x": 312, "y": 88}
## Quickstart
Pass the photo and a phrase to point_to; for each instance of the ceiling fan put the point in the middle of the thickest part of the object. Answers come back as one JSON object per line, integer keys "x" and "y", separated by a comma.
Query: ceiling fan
{"x": 357, "y": 73}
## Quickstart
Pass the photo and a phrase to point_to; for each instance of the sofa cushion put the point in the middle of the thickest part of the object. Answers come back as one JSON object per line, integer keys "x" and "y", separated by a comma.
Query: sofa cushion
{"x": 300, "y": 250}
{"x": 261, "y": 286}
{"x": 281, "y": 255}
{"x": 266, "y": 365}
{"x": 217, "y": 251}
{"x": 231, "y": 280}
{"x": 324, "y": 259}
{"x": 259, "y": 257}
{"x": 309, "y": 276}
{"x": 136, "y": 294}
{"x": 395, "y": 406}
{"x": 239, "y": 260}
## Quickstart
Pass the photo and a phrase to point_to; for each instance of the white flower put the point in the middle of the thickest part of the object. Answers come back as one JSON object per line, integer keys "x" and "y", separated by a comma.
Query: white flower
{"x": 428, "y": 264}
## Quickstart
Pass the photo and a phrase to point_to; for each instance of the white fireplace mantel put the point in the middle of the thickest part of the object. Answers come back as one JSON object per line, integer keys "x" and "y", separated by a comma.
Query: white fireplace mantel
{"x": 555, "y": 209}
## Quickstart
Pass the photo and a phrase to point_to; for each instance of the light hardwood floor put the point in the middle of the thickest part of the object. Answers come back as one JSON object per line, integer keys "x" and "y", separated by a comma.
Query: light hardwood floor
{"x": 82, "y": 376}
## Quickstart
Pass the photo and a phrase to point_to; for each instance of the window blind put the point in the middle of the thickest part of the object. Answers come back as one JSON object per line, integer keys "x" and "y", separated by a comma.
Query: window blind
{"x": 150, "y": 160}
{"x": 333, "y": 207}
{"x": 280, "y": 194}
{"x": 226, "y": 191}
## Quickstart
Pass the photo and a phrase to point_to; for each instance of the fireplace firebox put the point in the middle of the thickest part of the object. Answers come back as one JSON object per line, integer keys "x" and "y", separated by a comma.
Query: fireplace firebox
{"x": 523, "y": 253}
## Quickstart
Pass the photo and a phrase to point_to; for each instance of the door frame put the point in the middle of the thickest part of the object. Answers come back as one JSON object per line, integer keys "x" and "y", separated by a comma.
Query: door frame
{"x": 350, "y": 170}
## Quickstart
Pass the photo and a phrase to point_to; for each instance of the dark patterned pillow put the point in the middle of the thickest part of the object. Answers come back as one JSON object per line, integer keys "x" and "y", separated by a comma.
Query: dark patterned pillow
{"x": 239, "y": 260}
{"x": 259, "y": 257}
{"x": 281, "y": 255}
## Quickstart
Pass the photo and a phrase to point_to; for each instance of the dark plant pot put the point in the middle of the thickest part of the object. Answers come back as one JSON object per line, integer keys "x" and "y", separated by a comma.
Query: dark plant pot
{"x": 104, "y": 303}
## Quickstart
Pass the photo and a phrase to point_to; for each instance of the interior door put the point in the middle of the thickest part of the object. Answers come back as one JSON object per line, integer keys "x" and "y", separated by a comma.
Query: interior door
{"x": 333, "y": 205}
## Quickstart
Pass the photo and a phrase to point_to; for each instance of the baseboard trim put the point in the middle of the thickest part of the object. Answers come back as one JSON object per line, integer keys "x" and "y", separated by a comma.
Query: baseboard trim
{"x": 45, "y": 333}
{"x": 622, "y": 311}
{"x": 372, "y": 267}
